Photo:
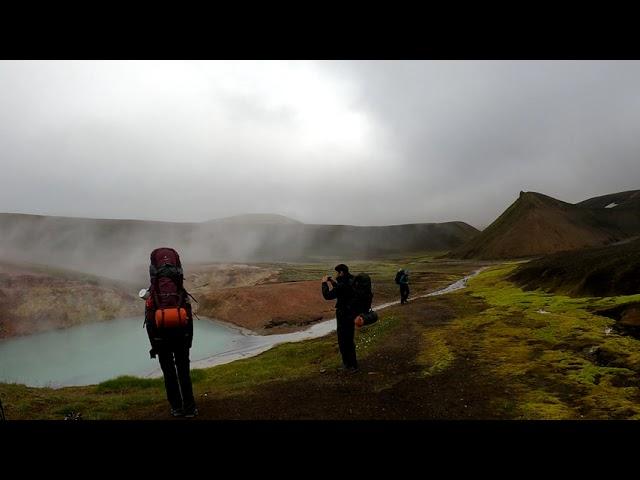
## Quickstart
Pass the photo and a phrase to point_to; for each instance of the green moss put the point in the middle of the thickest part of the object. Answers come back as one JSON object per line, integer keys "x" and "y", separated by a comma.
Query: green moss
{"x": 127, "y": 382}
{"x": 543, "y": 406}
{"x": 436, "y": 355}
{"x": 561, "y": 357}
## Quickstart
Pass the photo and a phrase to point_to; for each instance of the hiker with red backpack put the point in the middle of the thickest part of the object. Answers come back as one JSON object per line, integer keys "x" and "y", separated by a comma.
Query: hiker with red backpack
{"x": 169, "y": 323}
{"x": 353, "y": 295}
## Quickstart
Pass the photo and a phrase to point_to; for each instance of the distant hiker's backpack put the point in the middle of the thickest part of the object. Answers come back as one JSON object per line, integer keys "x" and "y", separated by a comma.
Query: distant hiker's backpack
{"x": 168, "y": 293}
{"x": 399, "y": 276}
{"x": 362, "y": 294}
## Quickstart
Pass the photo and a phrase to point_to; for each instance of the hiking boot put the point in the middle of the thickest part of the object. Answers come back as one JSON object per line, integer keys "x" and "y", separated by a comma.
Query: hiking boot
{"x": 177, "y": 412}
{"x": 191, "y": 413}
{"x": 352, "y": 370}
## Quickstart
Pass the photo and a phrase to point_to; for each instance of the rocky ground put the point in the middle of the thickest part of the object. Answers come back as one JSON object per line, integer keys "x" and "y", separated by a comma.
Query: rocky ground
{"x": 36, "y": 298}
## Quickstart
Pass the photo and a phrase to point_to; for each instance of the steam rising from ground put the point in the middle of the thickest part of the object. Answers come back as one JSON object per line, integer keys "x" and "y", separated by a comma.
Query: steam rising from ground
{"x": 119, "y": 249}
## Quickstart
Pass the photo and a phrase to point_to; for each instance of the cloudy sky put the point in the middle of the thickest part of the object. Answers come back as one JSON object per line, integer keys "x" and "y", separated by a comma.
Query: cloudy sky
{"x": 362, "y": 143}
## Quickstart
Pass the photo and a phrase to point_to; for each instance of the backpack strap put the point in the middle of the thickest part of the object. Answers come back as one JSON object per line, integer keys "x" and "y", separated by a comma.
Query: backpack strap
{"x": 194, "y": 298}
{"x": 156, "y": 287}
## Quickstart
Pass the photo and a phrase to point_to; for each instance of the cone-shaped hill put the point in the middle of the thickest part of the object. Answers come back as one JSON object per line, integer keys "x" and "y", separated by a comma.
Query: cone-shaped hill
{"x": 536, "y": 224}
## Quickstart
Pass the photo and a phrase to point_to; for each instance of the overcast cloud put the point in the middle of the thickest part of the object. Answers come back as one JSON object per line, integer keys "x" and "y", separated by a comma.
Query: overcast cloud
{"x": 361, "y": 143}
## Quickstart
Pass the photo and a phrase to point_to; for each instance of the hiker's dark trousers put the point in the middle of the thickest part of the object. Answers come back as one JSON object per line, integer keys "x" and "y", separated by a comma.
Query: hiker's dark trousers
{"x": 174, "y": 362}
{"x": 346, "y": 331}
{"x": 404, "y": 293}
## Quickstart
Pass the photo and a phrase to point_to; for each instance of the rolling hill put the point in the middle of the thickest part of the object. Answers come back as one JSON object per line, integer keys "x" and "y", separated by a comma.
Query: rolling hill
{"x": 536, "y": 224}
{"x": 600, "y": 271}
{"x": 621, "y": 200}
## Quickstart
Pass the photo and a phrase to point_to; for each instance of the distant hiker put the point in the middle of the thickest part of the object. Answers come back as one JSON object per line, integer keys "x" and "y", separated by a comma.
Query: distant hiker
{"x": 402, "y": 279}
{"x": 342, "y": 290}
{"x": 169, "y": 324}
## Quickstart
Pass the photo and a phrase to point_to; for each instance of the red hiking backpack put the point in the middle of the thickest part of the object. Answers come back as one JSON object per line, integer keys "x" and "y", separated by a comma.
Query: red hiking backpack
{"x": 168, "y": 293}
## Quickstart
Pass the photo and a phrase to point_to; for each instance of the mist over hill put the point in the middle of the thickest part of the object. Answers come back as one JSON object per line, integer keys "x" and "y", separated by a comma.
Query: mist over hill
{"x": 120, "y": 248}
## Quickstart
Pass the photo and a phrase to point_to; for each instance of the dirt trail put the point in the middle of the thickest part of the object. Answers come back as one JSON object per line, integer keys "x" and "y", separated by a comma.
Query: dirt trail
{"x": 390, "y": 384}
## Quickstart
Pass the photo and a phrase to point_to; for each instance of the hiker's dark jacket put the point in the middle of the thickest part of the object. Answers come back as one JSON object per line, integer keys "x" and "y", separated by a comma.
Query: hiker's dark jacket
{"x": 404, "y": 279}
{"x": 342, "y": 291}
